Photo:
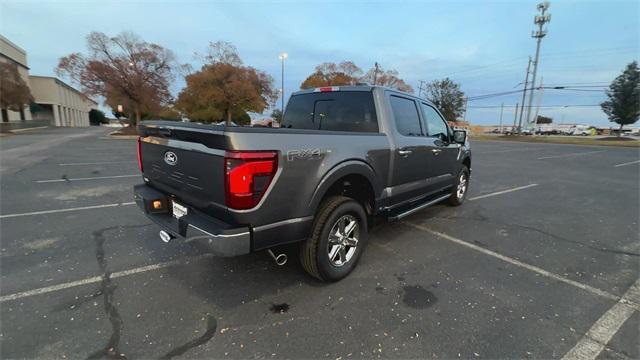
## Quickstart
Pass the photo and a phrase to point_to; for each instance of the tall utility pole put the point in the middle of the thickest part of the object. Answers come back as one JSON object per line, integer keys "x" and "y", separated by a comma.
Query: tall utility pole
{"x": 375, "y": 73}
{"x": 524, "y": 93}
{"x": 466, "y": 105}
{"x": 539, "y": 20}
{"x": 501, "y": 111}
{"x": 282, "y": 57}
{"x": 515, "y": 119}
{"x": 535, "y": 117}
{"x": 420, "y": 87}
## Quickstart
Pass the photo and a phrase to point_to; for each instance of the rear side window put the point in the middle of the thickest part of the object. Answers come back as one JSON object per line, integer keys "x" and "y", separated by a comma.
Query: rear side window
{"x": 406, "y": 115}
{"x": 336, "y": 111}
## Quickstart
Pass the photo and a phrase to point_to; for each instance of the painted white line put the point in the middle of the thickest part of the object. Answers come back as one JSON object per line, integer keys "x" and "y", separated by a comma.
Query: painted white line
{"x": 95, "y": 279}
{"x": 515, "y": 262}
{"x": 599, "y": 335}
{"x": 628, "y": 163}
{"x": 502, "y": 192}
{"x": 572, "y": 154}
{"x": 43, "y": 212}
{"x": 506, "y": 150}
{"x": 87, "y": 178}
{"x": 97, "y": 163}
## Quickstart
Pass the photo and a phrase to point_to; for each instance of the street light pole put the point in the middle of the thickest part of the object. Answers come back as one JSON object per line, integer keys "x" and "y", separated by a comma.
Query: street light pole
{"x": 282, "y": 57}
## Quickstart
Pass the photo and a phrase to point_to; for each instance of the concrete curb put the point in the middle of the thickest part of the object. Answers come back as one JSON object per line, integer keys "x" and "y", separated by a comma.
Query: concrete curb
{"x": 114, "y": 135}
{"x": 31, "y": 128}
{"x": 123, "y": 137}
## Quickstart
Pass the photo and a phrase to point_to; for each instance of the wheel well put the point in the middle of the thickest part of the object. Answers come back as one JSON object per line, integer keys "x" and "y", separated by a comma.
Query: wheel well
{"x": 467, "y": 162}
{"x": 356, "y": 187}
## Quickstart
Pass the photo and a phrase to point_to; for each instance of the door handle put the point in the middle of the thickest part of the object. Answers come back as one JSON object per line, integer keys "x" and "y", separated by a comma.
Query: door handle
{"x": 405, "y": 152}
{"x": 436, "y": 151}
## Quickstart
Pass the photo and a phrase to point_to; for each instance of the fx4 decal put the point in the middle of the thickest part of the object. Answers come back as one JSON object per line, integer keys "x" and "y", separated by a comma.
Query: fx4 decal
{"x": 304, "y": 154}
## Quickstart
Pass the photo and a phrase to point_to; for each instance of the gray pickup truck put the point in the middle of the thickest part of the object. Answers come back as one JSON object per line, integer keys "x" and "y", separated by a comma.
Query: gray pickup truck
{"x": 342, "y": 156}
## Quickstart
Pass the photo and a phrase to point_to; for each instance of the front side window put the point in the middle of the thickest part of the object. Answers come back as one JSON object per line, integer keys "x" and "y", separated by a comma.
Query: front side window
{"x": 436, "y": 126}
{"x": 406, "y": 116}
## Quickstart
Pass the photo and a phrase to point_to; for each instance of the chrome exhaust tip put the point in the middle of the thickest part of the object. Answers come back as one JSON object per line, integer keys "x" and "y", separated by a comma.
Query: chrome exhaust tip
{"x": 280, "y": 259}
{"x": 165, "y": 236}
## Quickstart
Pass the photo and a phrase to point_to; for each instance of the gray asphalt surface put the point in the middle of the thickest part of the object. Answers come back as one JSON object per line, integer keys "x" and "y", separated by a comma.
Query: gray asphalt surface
{"x": 547, "y": 245}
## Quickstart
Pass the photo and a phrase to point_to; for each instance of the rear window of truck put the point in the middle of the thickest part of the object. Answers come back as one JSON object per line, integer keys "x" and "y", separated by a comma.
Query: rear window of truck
{"x": 336, "y": 111}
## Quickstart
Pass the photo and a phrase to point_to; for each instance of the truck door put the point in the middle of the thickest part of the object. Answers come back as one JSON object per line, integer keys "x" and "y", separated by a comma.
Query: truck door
{"x": 443, "y": 152}
{"x": 411, "y": 153}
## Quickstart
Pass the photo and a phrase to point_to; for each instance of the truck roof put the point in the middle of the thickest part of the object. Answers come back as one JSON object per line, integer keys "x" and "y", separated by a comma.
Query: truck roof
{"x": 356, "y": 88}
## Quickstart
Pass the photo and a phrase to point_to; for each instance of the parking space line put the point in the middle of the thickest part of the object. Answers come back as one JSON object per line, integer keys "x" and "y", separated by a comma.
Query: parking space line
{"x": 95, "y": 279}
{"x": 502, "y": 192}
{"x": 572, "y": 154}
{"x": 506, "y": 150}
{"x": 97, "y": 163}
{"x": 628, "y": 163}
{"x": 86, "y": 178}
{"x": 43, "y": 212}
{"x": 518, "y": 263}
{"x": 599, "y": 335}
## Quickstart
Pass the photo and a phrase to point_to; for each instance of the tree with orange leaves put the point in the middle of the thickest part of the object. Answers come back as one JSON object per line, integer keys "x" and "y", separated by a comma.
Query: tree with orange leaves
{"x": 124, "y": 70}
{"x": 224, "y": 89}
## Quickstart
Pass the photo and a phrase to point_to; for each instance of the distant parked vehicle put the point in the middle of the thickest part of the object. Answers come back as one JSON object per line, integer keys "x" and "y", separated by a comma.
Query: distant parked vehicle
{"x": 580, "y": 131}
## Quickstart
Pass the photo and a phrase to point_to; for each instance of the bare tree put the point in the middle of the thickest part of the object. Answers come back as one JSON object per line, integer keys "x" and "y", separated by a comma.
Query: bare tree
{"x": 390, "y": 78}
{"x": 220, "y": 52}
{"x": 332, "y": 74}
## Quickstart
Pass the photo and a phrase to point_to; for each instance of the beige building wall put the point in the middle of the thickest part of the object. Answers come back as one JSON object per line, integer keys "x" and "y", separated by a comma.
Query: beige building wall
{"x": 69, "y": 106}
{"x": 12, "y": 53}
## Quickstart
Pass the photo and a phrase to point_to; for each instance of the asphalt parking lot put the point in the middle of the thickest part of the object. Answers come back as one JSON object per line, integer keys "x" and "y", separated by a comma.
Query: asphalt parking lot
{"x": 542, "y": 262}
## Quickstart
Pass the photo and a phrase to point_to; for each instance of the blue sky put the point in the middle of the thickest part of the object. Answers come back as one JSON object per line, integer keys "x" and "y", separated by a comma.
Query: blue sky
{"x": 482, "y": 45}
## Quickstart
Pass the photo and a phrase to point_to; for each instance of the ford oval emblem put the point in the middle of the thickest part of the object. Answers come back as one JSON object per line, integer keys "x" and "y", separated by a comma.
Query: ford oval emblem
{"x": 170, "y": 158}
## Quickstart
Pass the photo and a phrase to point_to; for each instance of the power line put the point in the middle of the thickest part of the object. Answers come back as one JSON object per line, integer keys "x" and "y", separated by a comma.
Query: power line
{"x": 503, "y": 93}
{"x": 486, "y": 96}
{"x": 542, "y": 106}
{"x": 569, "y": 54}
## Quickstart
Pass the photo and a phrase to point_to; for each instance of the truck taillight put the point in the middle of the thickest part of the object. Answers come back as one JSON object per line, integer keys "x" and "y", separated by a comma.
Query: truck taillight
{"x": 247, "y": 177}
{"x": 140, "y": 154}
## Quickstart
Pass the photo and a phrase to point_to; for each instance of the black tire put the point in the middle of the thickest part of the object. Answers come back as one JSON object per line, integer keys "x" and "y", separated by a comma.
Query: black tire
{"x": 314, "y": 253}
{"x": 455, "y": 199}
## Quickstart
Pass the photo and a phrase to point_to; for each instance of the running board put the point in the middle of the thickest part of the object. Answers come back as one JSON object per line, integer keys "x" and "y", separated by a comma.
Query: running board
{"x": 419, "y": 207}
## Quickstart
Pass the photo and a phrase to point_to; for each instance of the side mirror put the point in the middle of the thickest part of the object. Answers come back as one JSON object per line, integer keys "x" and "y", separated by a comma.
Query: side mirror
{"x": 459, "y": 136}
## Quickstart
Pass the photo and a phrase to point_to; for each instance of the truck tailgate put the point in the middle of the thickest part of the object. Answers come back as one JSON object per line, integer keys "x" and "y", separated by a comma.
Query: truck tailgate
{"x": 178, "y": 163}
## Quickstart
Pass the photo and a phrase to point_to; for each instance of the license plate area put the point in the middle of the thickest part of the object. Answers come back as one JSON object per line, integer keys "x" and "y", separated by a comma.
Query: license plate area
{"x": 178, "y": 210}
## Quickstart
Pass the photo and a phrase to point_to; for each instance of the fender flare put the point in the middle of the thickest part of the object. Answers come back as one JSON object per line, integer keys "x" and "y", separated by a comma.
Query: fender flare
{"x": 345, "y": 168}
{"x": 466, "y": 156}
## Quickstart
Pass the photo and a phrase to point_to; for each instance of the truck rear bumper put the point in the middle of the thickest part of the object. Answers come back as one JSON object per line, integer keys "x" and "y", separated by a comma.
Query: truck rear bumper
{"x": 206, "y": 232}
